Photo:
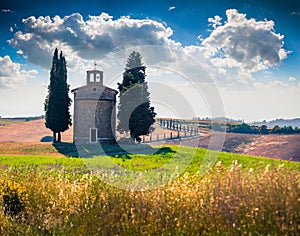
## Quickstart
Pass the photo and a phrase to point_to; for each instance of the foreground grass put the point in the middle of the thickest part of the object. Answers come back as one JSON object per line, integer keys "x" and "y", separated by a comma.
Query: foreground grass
{"x": 226, "y": 201}
{"x": 31, "y": 154}
{"x": 239, "y": 195}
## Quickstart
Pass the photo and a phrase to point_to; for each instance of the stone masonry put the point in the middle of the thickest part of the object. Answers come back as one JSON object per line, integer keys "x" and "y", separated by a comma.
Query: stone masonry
{"x": 94, "y": 111}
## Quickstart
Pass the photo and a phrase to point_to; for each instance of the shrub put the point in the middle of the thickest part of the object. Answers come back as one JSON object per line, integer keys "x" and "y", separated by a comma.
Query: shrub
{"x": 11, "y": 196}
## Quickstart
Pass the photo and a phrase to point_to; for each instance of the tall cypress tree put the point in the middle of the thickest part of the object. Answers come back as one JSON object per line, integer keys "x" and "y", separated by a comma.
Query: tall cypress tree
{"x": 134, "y": 60}
{"x": 135, "y": 114}
{"x": 58, "y": 102}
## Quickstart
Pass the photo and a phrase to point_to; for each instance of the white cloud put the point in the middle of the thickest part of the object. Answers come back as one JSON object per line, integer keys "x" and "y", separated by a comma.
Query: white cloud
{"x": 11, "y": 29}
{"x": 6, "y": 11}
{"x": 85, "y": 39}
{"x": 11, "y": 74}
{"x": 244, "y": 45}
{"x": 200, "y": 37}
{"x": 230, "y": 55}
{"x": 251, "y": 44}
{"x": 291, "y": 78}
{"x": 215, "y": 22}
{"x": 295, "y": 13}
{"x": 172, "y": 8}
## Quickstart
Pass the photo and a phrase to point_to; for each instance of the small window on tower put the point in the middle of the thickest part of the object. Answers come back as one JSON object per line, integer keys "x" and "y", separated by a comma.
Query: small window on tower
{"x": 91, "y": 77}
{"x": 98, "y": 78}
{"x": 94, "y": 89}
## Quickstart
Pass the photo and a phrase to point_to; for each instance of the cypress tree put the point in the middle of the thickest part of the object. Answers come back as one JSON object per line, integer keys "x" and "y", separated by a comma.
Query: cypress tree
{"x": 134, "y": 60}
{"x": 134, "y": 112}
{"x": 57, "y": 103}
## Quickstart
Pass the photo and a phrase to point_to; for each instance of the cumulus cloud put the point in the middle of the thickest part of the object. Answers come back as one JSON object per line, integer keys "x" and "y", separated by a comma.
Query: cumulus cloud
{"x": 215, "y": 21}
{"x": 11, "y": 74}
{"x": 291, "y": 78}
{"x": 232, "y": 52}
{"x": 172, "y": 8}
{"x": 252, "y": 45}
{"x": 85, "y": 39}
{"x": 243, "y": 45}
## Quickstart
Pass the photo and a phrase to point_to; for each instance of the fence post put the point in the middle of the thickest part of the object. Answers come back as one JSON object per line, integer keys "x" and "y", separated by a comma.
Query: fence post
{"x": 157, "y": 137}
{"x": 143, "y": 138}
{"x": 164, "y": 135}
{"x": 151, "y": 137}
{"x": 171, "y": 136}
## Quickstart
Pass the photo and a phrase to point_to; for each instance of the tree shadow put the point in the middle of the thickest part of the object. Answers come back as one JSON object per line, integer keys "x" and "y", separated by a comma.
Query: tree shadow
{"x": 113, "y": 150}
{"x": 66, "y": 149}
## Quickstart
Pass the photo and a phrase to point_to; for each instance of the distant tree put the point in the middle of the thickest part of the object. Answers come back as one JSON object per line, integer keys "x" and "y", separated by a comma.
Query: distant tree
{"x": 134, "y": 112}
{"x": 57, "y": 102}
{"x": 242, "y": 128}
{"x": 275, "y": 130}
{"x": 288, "y": 130}
{"x": 263, "y": 129}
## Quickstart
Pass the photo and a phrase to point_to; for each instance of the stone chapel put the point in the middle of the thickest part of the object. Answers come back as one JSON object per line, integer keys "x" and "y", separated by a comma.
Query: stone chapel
{"x": 94, "y": 119}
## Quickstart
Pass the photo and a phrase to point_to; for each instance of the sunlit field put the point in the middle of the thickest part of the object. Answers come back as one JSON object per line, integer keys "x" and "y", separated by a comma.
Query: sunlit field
{"x": 43, "y": 195}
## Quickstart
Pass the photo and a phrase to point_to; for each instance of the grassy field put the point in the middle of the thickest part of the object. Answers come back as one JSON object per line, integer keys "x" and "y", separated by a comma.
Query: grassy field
{"x": 44, "y": 193}
{"x": 4, "y": 122}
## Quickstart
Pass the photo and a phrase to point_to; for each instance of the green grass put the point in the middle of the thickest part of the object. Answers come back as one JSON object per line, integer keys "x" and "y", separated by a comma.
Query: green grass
{"x": 76, "y": 196}
{"x": 160, "y": 156}
{"x": 139, "y": 171}
{"x": 19, "y": 161}
{"x": 10, "y": 121}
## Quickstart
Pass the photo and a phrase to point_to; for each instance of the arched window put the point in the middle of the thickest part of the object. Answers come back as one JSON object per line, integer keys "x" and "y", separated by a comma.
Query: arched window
{"x": 97, "y": 77}
{"x": 92, "y": 77}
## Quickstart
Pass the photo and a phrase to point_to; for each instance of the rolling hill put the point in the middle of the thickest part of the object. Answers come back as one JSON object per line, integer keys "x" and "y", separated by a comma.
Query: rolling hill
{"x": 285, "y": 147}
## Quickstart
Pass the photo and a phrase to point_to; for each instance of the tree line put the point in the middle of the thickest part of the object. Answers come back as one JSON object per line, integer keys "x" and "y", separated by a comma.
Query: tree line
{"x": 254, "y": 129}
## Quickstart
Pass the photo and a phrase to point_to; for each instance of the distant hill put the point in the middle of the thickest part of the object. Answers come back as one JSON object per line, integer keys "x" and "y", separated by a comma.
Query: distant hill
{"x": 280, "y": 122}
{"x": 29, "y": 131}
{"x": 220, "y": 119}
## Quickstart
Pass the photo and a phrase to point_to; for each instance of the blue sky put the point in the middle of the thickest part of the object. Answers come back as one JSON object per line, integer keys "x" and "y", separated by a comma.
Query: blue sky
{"x": 246, "y": 52}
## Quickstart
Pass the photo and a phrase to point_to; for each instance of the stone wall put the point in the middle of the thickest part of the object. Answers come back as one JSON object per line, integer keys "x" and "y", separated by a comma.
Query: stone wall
{"x": 94, "y": 114}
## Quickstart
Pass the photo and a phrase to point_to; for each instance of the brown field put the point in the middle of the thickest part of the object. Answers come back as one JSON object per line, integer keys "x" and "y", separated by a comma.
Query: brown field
{"x": 28, "y": 148}
{"x": 285, "y": 147}
{"x": 31, "y": 131}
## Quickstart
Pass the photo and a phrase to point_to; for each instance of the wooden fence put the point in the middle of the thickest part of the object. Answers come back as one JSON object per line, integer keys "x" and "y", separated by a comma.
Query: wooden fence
{"x": 173, "y": 130}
